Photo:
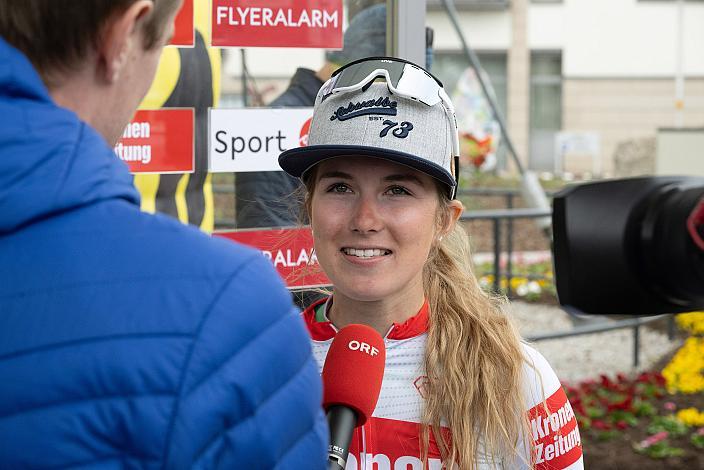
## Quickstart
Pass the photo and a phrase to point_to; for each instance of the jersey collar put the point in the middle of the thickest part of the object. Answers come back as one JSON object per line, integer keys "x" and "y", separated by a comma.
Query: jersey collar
{"x": 322, "y": 329}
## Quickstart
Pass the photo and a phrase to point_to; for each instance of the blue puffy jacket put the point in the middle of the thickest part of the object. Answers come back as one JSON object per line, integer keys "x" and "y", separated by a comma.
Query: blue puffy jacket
{"x": 129, "y": 340}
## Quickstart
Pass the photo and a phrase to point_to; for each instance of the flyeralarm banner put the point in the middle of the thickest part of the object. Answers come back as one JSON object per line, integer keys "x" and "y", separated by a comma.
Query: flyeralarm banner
{"x": 159, "y": 141}
{"x": 184, "y": 27}
{"x": 242, "y": 140}
{"x": 277, "y": 23}
{"x": 290, "y": 250}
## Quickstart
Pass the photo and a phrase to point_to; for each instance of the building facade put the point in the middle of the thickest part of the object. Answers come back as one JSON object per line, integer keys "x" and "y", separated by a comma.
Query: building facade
{"x": 578, "y": 81}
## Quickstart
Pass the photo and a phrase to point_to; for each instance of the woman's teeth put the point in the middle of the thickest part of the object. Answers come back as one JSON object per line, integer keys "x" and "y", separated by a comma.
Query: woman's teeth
{"x": 365, "y": 253}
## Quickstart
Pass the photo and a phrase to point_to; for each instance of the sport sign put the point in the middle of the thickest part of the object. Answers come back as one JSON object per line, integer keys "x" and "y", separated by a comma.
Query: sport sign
{"x": 243, "y": 140}
{"x": 159, "y": 141}
{"x": 277, "y": 23}
{"x": 184, "y": 32}
{"x": 290, "y": 250}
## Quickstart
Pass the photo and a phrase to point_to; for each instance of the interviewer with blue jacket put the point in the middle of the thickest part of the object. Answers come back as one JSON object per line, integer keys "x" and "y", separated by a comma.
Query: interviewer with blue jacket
{"x": 126, "y": 340}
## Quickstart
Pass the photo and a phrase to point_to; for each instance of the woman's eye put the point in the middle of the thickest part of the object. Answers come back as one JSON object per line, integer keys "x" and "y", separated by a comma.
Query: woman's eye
{"x": 338, "y": 188}
{"x": 398, "y": 191}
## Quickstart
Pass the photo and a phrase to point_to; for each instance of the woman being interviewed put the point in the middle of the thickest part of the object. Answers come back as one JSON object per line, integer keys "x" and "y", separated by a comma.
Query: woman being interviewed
{"x": 459, "y": 385}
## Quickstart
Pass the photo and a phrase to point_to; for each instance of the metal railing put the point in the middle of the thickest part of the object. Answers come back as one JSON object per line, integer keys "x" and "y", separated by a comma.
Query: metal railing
{"x": 509, "y": 215}
{"x": 604, "y": 326}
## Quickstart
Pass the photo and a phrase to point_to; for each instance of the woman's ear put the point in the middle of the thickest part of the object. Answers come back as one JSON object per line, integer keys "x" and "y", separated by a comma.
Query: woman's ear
{"x": 454, "y": 211}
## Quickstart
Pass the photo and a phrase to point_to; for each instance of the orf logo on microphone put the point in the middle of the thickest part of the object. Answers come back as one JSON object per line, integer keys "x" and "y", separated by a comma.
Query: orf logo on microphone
{"x": 355, "y": 345}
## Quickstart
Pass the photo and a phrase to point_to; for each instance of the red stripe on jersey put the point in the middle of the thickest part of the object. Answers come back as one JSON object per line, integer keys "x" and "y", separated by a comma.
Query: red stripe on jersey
{"x": 391, "y": 444}
{"x": 323, "y": 330}
{"x": 414, "y": 326}
{"x": 318, "y": 330}
{"x": 554, "y": 432}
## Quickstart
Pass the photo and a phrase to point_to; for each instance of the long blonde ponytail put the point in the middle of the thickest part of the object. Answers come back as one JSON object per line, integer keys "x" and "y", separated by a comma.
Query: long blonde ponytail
{"x": 474, "y": 361}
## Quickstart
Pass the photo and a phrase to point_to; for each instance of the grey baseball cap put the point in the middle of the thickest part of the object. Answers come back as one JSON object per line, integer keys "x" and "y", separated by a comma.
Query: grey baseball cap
{"x": 373, "y": 122}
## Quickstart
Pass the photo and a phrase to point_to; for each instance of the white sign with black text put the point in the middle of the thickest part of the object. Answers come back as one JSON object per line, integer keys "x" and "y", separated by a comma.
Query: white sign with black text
{"x": 241, "y": 140}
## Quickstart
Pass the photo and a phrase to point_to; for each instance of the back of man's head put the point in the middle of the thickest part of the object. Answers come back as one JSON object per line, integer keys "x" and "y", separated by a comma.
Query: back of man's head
{"x": 364, "y": 37}
{"x": 57, "y": 35}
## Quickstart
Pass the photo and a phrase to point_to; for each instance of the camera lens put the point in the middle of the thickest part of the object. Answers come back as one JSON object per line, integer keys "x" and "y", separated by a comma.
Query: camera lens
{"x": 673, "y": 262}
{"x": 629, "y": 246}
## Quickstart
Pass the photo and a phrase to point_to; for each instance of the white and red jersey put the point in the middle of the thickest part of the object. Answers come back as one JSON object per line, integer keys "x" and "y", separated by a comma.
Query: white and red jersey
{"x": 390, "y": 439}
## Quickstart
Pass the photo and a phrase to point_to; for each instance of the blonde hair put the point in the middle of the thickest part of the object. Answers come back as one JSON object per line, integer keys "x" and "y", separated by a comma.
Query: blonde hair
{"x": 474, "y": 358}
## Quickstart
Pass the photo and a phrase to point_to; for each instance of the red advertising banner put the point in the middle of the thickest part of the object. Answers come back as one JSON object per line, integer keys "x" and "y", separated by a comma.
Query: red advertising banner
{"x": 289, "y": 249}
{"x": 184, "y": 27}
{"x": 159, "y": 141}
{"x": 277, "y": 23}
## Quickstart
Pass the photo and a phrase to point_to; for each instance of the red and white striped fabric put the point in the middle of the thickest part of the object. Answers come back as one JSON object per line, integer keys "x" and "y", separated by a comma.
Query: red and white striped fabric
{"x": 390, "y": 440}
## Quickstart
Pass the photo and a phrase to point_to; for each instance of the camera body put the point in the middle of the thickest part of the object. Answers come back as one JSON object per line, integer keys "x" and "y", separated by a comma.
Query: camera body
{"x": 629, "y": 246}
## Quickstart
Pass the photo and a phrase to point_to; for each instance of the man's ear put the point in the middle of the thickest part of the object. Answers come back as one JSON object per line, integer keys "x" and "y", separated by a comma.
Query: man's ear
{"x": 119, "y": 35}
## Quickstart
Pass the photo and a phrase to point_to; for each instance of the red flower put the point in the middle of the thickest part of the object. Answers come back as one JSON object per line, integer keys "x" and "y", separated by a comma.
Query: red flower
{"x": 643, "y": 378}
{"x": 621, "y": 377}
{"x": 605, "y": 382}
{"x": 601, "y": 425}
{"x": 622, "y": 424}
{"x": 626, "y": 404}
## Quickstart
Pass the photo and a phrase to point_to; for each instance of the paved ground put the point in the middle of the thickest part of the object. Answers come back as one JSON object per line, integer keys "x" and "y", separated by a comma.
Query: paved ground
{"x": 581, "y": 357}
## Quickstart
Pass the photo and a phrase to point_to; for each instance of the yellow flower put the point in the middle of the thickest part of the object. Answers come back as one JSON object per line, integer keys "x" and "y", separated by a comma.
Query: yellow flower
{"x": 685, "y": 373}
{"x": 692, "y": 322}
{"x": 691, "y": 417}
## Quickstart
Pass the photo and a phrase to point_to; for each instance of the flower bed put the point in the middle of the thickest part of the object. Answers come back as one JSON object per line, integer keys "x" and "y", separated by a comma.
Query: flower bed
{"x": 651, "y": 420}
{"x": 632, "y": 422}
{"x": 529, "y": 282}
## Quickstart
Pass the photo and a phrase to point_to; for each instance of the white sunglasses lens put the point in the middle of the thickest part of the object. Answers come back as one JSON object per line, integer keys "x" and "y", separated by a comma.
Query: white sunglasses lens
{"x": 417, "y": 84}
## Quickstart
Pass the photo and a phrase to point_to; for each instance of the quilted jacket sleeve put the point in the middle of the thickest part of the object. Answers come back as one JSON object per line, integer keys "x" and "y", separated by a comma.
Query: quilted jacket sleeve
{"x": 250, "y": 394}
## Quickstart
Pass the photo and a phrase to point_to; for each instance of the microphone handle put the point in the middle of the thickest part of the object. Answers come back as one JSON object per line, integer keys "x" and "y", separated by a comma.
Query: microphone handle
{"x": 342, "y": 421}
{"x": 334, "y": 465}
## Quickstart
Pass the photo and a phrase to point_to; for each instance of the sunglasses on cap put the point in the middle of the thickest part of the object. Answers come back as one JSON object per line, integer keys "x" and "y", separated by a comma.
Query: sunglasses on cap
{"x": 403, "y": 78}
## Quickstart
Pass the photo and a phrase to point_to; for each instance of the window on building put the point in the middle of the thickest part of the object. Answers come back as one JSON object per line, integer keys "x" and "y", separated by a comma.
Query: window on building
{"x": 545, "y": 108}
{"x": 471, "y": 4}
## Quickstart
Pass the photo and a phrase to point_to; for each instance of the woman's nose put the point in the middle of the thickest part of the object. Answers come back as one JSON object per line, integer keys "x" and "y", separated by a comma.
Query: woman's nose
{"x": 366, "y": 217}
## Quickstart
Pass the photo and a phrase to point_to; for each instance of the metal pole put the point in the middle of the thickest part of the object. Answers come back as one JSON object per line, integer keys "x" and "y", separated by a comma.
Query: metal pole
{"x": 509, "y": 246}
{"x": 671, "y": 327}
{"x": 679, "y": 66}
{"x": 636, "y": 345}
{"x": 405, "y": 30}
{"x": 243, "y": 55}
{"x": 497, "y": 256}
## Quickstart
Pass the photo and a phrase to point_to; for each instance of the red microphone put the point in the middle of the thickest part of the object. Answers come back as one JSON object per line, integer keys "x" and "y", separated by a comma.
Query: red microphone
{"x": 352, "y": 375}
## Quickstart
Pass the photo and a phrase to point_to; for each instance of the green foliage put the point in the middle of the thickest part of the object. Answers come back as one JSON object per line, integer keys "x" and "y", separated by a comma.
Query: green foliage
{"x": 697, "y": 440}
{"x": 607, "y": 435}
{"x": 660, "y": 450}
{"x": 644, "y": 408}
{"x": 670, "y": 424}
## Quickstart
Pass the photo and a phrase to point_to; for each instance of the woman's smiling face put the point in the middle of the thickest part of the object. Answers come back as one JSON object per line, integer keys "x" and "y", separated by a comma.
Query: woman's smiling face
{"x": 374, "y": 223}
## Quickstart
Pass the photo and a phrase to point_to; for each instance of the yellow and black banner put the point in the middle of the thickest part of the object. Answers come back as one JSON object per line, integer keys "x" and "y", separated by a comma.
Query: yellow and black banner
{"x": 186, "y": 77}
